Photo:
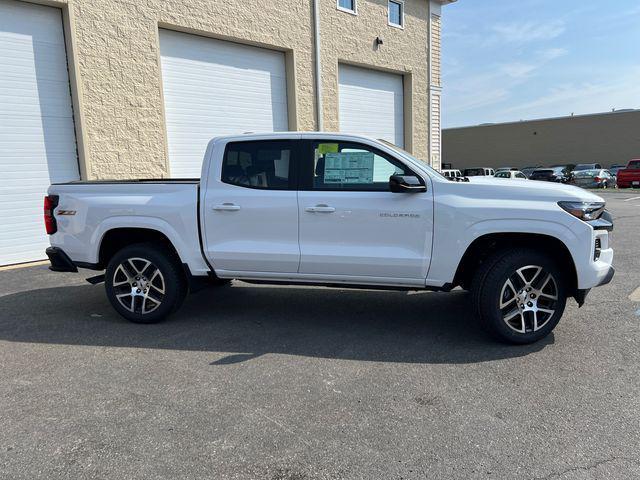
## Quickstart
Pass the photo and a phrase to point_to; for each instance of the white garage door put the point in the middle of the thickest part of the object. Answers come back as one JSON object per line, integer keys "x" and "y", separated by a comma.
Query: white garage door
{"x": 212, "y": 87}
{"x": 37, "y": 139}
{"x": 371, "y": 103}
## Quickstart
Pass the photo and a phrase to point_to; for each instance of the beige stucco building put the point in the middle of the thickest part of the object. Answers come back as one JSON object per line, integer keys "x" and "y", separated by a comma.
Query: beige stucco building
{"x": 98, "y": 89}
{"x": 605, "y": 138}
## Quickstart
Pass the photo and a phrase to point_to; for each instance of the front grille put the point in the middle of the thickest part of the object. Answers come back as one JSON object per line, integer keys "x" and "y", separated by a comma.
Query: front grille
{"x": 598, "y": 248}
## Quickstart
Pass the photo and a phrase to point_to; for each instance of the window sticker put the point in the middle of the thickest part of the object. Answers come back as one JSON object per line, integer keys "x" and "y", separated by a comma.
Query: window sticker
{"x": 348, "y": 167}
{"x": 324, "y": 148}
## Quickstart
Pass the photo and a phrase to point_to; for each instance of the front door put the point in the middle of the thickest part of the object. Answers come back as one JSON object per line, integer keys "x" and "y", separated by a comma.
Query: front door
{"x": 251, "y": 209}
{"x": 351, "y": 224}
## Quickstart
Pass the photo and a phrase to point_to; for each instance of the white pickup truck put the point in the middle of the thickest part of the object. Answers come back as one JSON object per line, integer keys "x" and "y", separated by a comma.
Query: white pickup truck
{"x": 335, "y": 210}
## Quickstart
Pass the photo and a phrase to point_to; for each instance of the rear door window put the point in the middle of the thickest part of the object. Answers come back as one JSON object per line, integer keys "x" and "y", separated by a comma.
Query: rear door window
{"x": 268, "y": 165}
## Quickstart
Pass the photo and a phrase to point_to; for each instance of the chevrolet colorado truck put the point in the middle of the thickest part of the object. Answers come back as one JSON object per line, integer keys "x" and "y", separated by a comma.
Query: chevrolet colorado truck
{"x": 334, "y": 210}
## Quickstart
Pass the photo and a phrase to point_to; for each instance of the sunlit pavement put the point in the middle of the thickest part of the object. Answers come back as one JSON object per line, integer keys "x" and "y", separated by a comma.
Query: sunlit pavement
{"x": 313, "y": 383}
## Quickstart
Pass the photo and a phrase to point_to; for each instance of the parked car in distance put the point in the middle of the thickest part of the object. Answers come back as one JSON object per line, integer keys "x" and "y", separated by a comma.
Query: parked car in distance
{"x": 614, "y": 169}
{"x": 479, "y": 172}
{"x": 558, "y": 173}
{"x": 512, "y": 174}
{"x": 451, "y": 173}
{"x": 594, "y": 178}
{"x": 629, "y": 176}
{"x": 529, "y": 170}
{"x": 505, "y": 169}
{"x": 586, "y": 166}
{"x": 339, "y": 210}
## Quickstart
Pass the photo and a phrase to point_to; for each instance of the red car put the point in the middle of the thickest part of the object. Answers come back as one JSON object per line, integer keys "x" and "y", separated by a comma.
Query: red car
{"x": 630, "y": 176}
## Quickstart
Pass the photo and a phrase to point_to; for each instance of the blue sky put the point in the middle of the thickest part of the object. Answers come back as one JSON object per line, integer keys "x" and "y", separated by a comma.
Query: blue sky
{"x": 509, "y": 60}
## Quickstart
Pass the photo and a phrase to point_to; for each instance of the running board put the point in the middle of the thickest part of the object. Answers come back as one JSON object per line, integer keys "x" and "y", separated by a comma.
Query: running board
{"x": 96, "y": 280}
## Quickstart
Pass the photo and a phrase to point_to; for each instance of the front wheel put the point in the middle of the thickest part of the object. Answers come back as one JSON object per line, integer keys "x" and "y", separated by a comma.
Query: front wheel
{"x": 144, "y": 283}
{"x": 520, "y": 296}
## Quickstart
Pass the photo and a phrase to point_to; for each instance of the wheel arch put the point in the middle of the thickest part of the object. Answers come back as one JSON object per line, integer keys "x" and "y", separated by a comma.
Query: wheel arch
{"x": 486, "y": 245}
{"x": 185, "y": 243}
{"x": 117, "y": 238}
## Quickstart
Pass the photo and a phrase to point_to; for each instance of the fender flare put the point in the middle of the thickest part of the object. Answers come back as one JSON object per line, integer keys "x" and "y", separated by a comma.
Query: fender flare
{"x": 187, "y": 255}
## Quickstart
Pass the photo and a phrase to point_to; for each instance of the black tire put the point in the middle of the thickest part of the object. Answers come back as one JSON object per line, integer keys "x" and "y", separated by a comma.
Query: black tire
{"x": 146, "y": 304}
{"x": 535, "y": 317}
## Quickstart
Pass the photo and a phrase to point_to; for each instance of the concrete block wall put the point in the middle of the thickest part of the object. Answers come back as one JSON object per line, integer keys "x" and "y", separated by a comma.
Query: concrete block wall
{"x": 114, "y": 59}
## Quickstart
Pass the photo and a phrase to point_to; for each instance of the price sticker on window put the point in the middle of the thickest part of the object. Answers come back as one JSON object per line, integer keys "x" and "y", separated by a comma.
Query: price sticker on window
{"x": 348, "y": 167}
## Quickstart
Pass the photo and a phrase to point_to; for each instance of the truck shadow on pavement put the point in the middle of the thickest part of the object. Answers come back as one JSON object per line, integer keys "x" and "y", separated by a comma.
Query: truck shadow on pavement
{"x": 242, "y": 322}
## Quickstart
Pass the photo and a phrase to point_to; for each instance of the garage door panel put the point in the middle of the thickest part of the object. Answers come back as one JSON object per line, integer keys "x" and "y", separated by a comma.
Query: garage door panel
{"x": 42, "y": 99}
{"x": 371, "y": 103}
{"x": 37, "y": 137}
{"x": 39, "y": 26}
{"x": 29, "y": 138}
{"x": 213, "y": 87}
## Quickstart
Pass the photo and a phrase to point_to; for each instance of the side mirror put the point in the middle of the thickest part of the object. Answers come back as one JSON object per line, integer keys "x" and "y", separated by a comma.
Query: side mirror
{"x": 406, "y": 184}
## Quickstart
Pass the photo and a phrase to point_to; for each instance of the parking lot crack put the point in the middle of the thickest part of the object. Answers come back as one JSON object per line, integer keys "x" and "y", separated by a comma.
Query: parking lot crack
{"x": 587, "y": 468}
{"x": 284, "y": 427}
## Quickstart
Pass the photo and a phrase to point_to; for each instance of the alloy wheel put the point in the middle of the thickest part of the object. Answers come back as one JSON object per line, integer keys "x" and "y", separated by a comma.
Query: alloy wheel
{"x": 528, "y": 299}
{"x": 138, "y": 285}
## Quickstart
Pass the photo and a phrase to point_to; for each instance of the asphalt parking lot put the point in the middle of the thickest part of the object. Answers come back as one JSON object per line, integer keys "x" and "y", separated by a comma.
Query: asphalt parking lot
{"x": 292, "y": 383}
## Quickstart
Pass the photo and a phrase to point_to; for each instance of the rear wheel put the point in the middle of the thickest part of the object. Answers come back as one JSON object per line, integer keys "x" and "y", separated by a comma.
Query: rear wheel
{"x": 145, "y": 283}
{"x": 519, "y": 295}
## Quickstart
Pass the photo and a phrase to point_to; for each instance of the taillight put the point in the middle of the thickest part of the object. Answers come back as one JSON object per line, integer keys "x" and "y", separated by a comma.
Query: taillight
{"x": 50, "y": 203}
{"x": 597, "y": 179}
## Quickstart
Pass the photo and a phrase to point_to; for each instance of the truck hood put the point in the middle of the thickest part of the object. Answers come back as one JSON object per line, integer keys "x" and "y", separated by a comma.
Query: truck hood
{"x": 530, "y": 189}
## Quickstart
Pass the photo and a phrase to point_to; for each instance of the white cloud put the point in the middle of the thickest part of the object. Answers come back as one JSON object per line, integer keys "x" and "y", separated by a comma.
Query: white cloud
{"x": 527, "y": 32}
{"x": 470, "y": 92}
{"x": 468, "y": 95}
{"x": 518, "y": 70}
{"x": 553, "y": 53}
{"x": 524, "y": 70}
{"x": 580, "y": 98}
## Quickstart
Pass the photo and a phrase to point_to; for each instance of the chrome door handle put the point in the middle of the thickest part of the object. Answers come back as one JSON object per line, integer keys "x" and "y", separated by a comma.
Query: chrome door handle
{"x": 321, "y": 208}
{"x": 227, "y": 206}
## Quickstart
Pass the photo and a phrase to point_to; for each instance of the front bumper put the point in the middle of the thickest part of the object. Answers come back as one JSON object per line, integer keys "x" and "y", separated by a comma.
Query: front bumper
{"x": 581, "y": 295}
{"x": 60, "y": 261}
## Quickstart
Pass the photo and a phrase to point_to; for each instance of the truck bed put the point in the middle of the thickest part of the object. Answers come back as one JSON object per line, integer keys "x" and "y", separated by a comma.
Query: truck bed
{"x": 169, "y": 206}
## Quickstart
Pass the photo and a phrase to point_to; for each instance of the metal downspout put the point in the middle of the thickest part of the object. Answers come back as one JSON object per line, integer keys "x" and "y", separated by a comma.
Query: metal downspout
{"x": 430, "y": 86}
{"x": 318, "y": 69}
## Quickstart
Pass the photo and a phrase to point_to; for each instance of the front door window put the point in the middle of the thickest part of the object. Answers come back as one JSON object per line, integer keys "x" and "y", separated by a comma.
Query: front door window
{"x": 350, "y": 166}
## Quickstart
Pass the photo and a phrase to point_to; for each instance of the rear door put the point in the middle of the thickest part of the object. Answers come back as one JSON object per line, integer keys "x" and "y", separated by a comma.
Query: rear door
{"x": 351, "y": 224}
{"x": 251, "y": 210}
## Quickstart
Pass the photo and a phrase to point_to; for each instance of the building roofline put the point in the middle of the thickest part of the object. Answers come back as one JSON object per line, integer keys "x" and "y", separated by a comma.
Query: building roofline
{"x": 545, "y": 119}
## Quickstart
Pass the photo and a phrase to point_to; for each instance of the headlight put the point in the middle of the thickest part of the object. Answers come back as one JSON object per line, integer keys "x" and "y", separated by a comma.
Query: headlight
{"x": 583, "y": 210}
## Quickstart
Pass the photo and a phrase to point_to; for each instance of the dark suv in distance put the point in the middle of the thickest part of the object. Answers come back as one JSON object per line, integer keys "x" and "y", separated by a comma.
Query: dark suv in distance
{"x": 556, "y": 173}
{"x": 529, "y": 170}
